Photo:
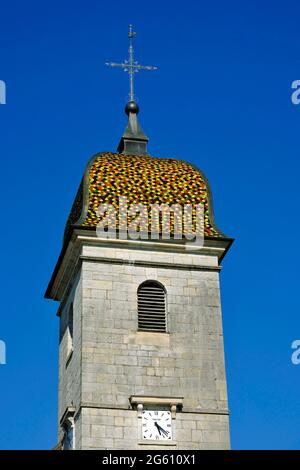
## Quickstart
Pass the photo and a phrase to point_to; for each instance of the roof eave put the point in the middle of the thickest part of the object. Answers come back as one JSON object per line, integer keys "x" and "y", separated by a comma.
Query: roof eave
{"x": 223, "y": 242}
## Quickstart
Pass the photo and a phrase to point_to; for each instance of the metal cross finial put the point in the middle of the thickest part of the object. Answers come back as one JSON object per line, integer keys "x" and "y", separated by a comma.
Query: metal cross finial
{"x": 131, "y": 66}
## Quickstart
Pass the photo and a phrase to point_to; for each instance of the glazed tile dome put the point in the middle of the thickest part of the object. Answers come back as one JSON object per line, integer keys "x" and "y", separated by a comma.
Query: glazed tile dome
{"x": 141, "y": 179}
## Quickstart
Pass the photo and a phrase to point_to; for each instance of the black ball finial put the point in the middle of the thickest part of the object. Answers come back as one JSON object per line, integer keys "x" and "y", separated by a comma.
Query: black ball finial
{"x": 131, "y": 107}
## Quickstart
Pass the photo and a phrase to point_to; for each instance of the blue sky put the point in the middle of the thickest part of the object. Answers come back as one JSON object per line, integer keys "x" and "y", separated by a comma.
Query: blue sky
{"x": 220, "y": 99}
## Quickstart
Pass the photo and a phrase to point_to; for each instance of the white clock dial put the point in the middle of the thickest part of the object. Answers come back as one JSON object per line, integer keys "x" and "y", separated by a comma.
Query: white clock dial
{"x": 156, "y": 425}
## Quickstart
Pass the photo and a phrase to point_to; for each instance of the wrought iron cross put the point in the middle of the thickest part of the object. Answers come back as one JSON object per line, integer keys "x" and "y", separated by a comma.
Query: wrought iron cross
{"x": 131, "y": 66}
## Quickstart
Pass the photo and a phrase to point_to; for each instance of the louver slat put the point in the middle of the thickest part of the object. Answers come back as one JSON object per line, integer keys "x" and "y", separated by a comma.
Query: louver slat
{"x": 151, "y": 308}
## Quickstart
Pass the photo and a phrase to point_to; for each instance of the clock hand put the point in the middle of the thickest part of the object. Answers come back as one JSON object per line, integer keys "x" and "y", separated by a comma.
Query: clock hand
{"x": 163, "y": 430}
{"x": 158, "y": 427}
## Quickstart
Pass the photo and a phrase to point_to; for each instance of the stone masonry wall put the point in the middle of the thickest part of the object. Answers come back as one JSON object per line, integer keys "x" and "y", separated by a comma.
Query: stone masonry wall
{"x": 118, "y": 361}
{"x": 118, "y": 429}
{"x": 69, "y": 390}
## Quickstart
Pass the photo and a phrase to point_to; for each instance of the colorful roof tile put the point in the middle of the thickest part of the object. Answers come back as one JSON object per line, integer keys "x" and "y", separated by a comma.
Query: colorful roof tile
{"x": 141, "y": 179}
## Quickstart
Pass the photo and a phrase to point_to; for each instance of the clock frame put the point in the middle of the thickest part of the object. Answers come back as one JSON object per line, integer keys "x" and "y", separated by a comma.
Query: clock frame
{"x": 156, "y": 425}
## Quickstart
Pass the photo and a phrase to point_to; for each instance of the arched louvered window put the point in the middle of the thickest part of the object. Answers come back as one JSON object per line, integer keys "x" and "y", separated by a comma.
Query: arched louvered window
{"x": 152, "y": 307}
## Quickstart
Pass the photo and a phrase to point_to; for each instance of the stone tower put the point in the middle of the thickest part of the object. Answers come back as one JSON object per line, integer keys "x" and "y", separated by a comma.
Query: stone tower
{"x": 141, "y": 361}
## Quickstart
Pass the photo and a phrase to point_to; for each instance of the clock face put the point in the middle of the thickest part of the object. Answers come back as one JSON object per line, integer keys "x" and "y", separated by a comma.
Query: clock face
{"x": 156, "y": 425}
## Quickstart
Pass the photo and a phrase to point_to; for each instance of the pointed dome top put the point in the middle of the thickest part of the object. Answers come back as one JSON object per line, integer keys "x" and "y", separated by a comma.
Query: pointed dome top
{"x": 133, "y": 141}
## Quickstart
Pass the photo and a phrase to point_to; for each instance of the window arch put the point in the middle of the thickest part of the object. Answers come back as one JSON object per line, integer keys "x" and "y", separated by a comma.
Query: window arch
{"x": 152, "y": 307}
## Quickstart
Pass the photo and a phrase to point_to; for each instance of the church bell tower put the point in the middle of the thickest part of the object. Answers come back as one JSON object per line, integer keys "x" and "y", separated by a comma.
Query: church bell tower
{"x": 141, "y": 360}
